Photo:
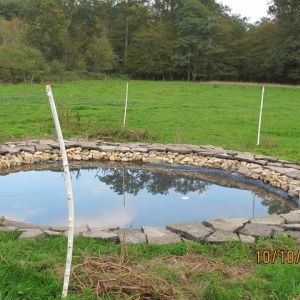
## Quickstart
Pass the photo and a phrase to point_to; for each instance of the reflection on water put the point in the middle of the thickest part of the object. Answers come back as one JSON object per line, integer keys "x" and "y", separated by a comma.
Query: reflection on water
{"x": 132, "y": 196}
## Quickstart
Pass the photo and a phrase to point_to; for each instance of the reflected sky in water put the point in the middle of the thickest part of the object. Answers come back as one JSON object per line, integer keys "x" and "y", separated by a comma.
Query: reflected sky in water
{"x": 128, "y": 197}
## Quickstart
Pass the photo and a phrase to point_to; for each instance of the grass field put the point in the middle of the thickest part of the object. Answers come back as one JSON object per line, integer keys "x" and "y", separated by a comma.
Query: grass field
{"x": 199, "y": 113}
{"x": 31, "y": 270}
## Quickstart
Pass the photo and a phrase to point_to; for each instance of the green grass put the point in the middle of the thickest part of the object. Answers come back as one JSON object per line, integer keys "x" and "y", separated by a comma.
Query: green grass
{"x": 181, "y": 112}
{"x": 32, "y": 269}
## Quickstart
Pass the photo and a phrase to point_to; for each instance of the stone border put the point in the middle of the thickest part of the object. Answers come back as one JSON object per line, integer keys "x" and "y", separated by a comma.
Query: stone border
{"x": 278, "y": 173}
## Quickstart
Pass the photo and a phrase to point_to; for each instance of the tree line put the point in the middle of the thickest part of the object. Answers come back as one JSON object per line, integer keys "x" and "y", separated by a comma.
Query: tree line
{"x": 147, "y": 39}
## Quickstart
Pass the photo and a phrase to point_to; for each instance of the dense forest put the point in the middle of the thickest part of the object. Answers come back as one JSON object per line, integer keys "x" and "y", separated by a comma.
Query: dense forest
{"x": 146, "y": 39}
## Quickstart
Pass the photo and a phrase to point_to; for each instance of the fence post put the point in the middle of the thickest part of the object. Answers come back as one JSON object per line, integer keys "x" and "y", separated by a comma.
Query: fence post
{"x": 69, "y": 192}
{"x": 260, "y": 115}
{"x": 125, "y": 110}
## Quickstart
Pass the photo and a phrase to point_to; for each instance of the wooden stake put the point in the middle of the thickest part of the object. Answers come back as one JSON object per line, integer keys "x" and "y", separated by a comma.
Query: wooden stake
{"x": 260, "y": 115}
{"x": 125, "y": 110}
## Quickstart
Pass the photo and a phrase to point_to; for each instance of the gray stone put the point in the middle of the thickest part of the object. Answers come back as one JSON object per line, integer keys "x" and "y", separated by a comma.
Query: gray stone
{"x": 122, "y": 149}
{"x": 226, "y": 224}
{"x": 22, "y": 225}
{"x": 267, "y": 158}
{"x": 261, "y": 162}
{"x": 100, "y": 234}
{"x": 8, "y": 228}
{"x": 248, "y": 157}
{"x": 292, "y": 217}
{"x": 293, "y": 166}
{"x": 3, "y": 150}
{"x": 259, "y": 230}
{"x": 53, "y": 144}
{"x": 59, "y": 228}
{"x": 32, "y": 234}
{"x": 29, "y": 149}
{"x": 275, "y": 164}
{"x": 88, "y": 145}
{"x": 178, "y": 149}
{"x": 52, "y": 233}
{"x": 294, "y": 173}
{"x": 139, "y": 149}
{"x": 291, "y": 226}
{"x": 210, "y": 152}
{"x": 221, "y": 236}
{"x": 195, "y": 231}
{"x": 247, "y": 239}
{"x": 268, "y": 220}
{"x": 107, "y": 148}
{"x": 78, "y": 230}
{"x": 131, "y": 236}
{"x": 157, "y": 147}
{"x": 11, "y": 150}
{"x": 293, "y": 234}
{"x": 42, "y": 147}
{"x": 160, "y": 236}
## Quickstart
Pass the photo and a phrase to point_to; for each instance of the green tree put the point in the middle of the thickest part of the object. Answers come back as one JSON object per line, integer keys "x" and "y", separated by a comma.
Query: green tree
{"x": 287, "y": 14}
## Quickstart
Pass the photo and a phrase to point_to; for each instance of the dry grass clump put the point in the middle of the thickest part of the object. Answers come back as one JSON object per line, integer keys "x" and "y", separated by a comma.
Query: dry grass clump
{"x": 118, "y": 277}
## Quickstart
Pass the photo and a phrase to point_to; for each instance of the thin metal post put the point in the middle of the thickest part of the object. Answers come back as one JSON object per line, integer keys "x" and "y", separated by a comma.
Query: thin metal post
{"x": 260, "y": 115}
{"x": 69, "y": 192}
{"x": 125, "y": 110}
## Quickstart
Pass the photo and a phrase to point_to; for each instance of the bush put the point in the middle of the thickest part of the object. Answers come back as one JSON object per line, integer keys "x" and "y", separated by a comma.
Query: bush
{"x": 20, "y": 64}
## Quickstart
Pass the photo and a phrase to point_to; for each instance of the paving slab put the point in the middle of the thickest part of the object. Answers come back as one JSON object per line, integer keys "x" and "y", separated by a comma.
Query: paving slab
{"x": 160, "y": 236}
{"x": 291, "y": 233}
{"x": 52, "y": 233}
{"x": 248, "y": 157}
{"x": 268, "y": 220}
{"x": 292, "y": 217}
{"x": 178, "y": 149}
{"x": 131, "y": 235}
{"x": 195, "y": 231}
{"x": 247, "y": 239}
{"x": 42, "y": 147}
{"x": 31, "y": 234}
{"x": 100, "y": 234}
{"x": 220, "y": 236}
{"x": 259, "y": 230}
{"x": 290, "y": 172}
{"x": 295, "y": 227}
{"x": 226, "y": 224}
{"x": 8, "y": 228}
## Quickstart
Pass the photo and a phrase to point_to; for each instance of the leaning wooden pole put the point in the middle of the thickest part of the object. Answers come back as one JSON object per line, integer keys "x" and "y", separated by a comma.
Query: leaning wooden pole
{"x": 69, "y": 192}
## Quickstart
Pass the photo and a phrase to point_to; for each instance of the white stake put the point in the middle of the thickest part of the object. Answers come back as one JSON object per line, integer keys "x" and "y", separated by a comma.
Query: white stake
{"x": 69, "y": 192}
{"x": 125, "y": 110}
{"x": 260, "y": 115}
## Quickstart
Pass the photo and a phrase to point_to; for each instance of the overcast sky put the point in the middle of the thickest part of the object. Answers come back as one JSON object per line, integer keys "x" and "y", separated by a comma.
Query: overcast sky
{"x": 253, "y": 9}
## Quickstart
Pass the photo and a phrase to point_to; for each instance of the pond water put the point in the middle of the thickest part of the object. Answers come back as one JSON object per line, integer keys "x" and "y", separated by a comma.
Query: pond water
{"x": 132, "y": 195}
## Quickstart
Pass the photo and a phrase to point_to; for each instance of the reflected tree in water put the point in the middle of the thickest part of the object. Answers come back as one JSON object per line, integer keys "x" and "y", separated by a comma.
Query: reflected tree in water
{"x": 132, "y": 181}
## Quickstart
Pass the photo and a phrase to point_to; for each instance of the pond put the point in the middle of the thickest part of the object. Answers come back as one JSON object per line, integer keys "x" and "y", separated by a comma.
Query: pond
{"x": 109, "y": 195}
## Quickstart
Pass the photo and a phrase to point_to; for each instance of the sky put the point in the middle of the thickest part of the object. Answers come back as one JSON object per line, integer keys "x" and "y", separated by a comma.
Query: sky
{"x": 253, "y": 9}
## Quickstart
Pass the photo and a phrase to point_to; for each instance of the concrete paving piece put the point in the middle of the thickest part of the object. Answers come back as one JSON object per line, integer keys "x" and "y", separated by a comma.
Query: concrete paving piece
{"x": 268, "y": 220}
{"x": 295, "y": 226}
{"x": 156, "y": 235}
{"x": 195, "y": 231}
{"x": 32, "y": 234}
{"x": 52, "y": 233}
{"x": 292, "y": 217}
{"x": 293, "y": 234}
{"x": 131, "y": 236}
{"x": 8, "y": 228}
{"x": 221, "y": 236}
{"x": 259, "y": 230}
{"x": 226, "y": 224}
{"x": 100, "y": 234}
{"x": 247, "y": 239}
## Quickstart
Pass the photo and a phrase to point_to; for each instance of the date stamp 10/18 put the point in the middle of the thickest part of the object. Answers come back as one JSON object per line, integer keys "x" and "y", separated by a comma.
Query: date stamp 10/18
{"x": 270, "y": 256}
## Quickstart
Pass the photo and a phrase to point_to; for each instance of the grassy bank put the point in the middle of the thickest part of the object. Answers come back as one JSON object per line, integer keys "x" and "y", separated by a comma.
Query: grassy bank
{"x": 200, "y": 113}
{"x": 34, "y": 269}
